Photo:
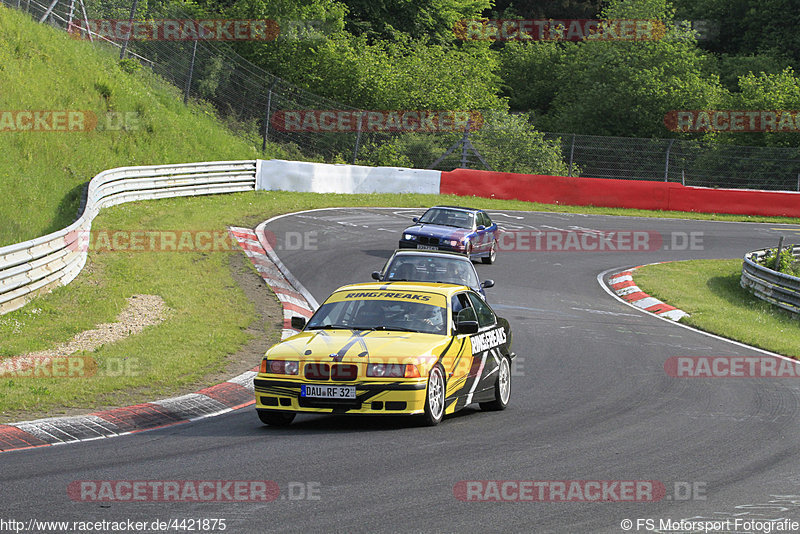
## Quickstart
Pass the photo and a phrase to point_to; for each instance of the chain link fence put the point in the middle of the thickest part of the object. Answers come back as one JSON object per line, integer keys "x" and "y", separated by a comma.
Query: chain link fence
{"x": 693, "y": 163}
{"x": 249, "y": 100}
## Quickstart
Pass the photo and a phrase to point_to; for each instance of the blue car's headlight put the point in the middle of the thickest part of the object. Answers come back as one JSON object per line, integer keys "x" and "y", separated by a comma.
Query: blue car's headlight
{"x": 409, "y": 237}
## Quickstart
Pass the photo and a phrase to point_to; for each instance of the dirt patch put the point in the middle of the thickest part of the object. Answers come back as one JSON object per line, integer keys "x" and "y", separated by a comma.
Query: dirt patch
{"x": 140, "y": 312}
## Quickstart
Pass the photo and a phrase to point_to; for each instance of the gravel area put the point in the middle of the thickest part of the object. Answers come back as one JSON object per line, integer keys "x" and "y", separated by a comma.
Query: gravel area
{"x": 140, "y": 312}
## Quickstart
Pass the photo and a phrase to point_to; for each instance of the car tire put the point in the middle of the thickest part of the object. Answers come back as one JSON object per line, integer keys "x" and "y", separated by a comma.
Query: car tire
{"x": 434, "y": 397}
{"x": 492, "y": 254}
{"x": 276, "y": 418}
{"x": 502, "y": 388}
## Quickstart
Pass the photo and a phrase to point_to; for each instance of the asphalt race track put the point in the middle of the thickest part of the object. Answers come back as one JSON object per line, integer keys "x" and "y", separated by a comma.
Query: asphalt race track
{"x": 590, "y": 401}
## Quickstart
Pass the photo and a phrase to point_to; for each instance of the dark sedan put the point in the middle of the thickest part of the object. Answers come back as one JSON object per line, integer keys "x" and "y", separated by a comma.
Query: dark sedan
{"x": 431, "y": 266}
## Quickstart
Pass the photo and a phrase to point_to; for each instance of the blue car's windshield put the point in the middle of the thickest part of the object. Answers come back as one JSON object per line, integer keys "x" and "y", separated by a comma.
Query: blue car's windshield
{"x": 447, "y": 217}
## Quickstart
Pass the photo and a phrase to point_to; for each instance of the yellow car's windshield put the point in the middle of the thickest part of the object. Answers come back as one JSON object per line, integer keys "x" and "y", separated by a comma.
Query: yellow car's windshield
{"x": 382, "y": 310}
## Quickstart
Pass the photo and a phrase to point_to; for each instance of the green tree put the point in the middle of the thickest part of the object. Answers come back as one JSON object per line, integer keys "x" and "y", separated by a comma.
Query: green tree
{"x": 731, "y": 67}
{"x": 768, "y": 92}
{"x": 432, "y": 20}
{"x": 625, "y": 88}
{"x": 747, "y": 35}
{"x": 364, "y": 72}
{"x": 547, "y": 9}
{"x": 416, "y": 150}
{"x": 532, "y": 74}
{"x": 749, "y": 27}
{"x": 388, "y": 75}
{"x": 510, "y": 143}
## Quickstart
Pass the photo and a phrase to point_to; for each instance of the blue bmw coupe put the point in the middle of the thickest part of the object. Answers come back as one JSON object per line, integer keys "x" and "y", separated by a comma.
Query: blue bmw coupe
{"x": 468, "y": 231}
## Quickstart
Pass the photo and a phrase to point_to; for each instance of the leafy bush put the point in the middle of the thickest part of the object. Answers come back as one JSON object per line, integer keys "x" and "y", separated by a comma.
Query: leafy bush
{"x": 788, "y": 264}
{"x": 508, "y": 143}
{"x": 130, "y": 65}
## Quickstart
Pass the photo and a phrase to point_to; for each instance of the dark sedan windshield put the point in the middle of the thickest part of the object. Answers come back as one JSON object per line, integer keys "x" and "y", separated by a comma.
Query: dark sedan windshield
{"x": 445, "y": 269}
{"x": 448, "y": 217}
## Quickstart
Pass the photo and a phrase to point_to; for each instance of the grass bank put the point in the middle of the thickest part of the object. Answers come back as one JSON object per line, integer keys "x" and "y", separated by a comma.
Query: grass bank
{"x": 141, "y": 120}
{"x": 709, "y": 290}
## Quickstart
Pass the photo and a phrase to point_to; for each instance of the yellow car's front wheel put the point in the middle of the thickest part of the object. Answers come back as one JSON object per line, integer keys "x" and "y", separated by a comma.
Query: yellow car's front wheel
{"x": 275, "y": 418}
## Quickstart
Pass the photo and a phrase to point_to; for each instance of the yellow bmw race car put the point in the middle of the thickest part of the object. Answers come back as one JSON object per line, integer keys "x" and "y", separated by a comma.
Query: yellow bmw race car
{"x": 396, "y": 348}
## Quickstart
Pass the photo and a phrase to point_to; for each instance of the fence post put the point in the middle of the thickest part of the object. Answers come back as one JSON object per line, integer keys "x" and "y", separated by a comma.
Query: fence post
{"x": 571, "y": 154}
{"x": 778, "y": 256}
{"x": 267, "y": 115}
{"x": 48, "y": 11}
{"x": 71, "y": 11}
{"x": 464, "y": 146}
{"x": 666, "y": 166}
{"x": 358, "y": 136}
{"x": 798, "y": 181}
{"x": 86, "y": 21}
{"x": 128, "y": 35}
{"x": 191, "y": 73}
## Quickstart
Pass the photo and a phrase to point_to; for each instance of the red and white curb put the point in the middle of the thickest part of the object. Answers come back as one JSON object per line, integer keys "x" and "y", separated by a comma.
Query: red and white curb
{"x": 292, "y": 295}
{"x": 623, "y": 285}
{"x": 216, "y": 400}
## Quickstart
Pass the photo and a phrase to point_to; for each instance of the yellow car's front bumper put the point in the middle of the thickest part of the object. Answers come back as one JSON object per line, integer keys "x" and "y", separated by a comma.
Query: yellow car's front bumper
{"x": 398, "y": 397}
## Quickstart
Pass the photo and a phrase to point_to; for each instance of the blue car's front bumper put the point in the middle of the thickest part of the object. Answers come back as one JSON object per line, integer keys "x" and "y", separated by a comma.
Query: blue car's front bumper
{"x": 431, "y": 244}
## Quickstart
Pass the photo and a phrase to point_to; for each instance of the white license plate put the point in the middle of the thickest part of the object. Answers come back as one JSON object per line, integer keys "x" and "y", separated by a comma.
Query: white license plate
{"x": 328, "y": 392}
{"x": 427, "y": 247}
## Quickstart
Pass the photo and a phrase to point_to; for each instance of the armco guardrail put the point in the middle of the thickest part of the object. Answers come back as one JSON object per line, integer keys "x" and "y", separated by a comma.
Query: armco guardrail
{"x": 776, "y": 288}
{"x": 29, "y": 268}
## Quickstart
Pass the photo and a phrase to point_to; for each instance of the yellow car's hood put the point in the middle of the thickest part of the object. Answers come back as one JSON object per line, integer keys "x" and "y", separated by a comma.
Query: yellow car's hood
{"x": 360, "y": 346}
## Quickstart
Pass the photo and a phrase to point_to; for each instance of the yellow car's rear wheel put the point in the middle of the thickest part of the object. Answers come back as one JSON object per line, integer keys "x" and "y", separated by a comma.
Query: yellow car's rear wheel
{"x": 434, "y": 396}
{"x": 502, "y": 388}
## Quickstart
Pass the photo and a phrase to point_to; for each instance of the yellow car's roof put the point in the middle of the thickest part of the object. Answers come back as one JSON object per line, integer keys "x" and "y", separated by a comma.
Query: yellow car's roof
{"x": 446, "y": 290}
